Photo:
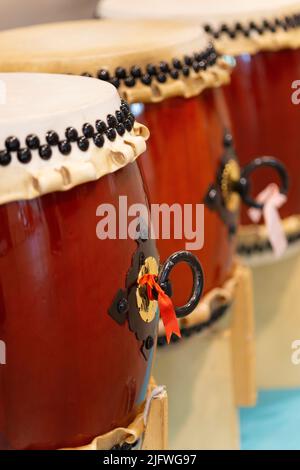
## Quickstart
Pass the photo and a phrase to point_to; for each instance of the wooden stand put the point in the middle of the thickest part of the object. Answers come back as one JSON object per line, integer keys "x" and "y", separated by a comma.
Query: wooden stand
{"x": 150, "y": 426}
{"x": 209, "y": 374}
{"x": 277, "y": 311}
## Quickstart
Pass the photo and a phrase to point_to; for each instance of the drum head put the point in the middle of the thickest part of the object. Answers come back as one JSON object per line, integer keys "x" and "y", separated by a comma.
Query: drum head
{"x": 239, "y": 27}
{"x": 58, "y": 131}
{"x": 146, "y": 61}
{"x": 214, "y": 11}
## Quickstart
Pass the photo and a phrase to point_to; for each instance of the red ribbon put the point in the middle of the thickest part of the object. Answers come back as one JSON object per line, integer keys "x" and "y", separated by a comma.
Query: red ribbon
{"x": 165, "y": 304}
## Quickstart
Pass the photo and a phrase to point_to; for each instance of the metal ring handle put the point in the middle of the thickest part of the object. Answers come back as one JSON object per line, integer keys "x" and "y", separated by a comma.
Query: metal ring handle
{"x": 198, "y": 279}
{"x": 243, "y": 186}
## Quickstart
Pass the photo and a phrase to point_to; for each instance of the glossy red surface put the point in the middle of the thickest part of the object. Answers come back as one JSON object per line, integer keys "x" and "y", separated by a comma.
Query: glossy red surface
{"x": 182, "y": 158}
{"x": 72, "y": 372}
{"x": 264, "y": 119}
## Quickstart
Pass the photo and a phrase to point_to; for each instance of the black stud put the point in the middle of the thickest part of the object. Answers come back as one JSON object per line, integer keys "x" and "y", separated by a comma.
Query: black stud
{"x": 161, "y": 341}
{"x": 146, "y": 79}
{"x": 224, "y": 28}
{"x": 123, "y": 306}
{"x": 120, "y": 116}
{"x": 208, "y": 28}
{"x": 71, "y": 134}
{"x": 124, "y": 109}
{"x": 164, "y": 67}
{"x": 188, "y": 60}
{"x": 212, "y": 58}
{"x": 12, "y": 144}
{"x": 136, "y": 72}
{"x": 124, "y": 103}
{"x": 185, "y": 70}
{"x": 120, "y": 129}
{"x": 111, "y": 133}
{"x": 32, "y": 141}
{"x": 120, "y": 73}
{"x": 83, "y": 144}
{"x": 149, "y": 343}
{"x": 174, "y": 74}
{"x": 101, "y": 126}
{"x": 227, "y": 140}
{"x": 259, "y": 30}
{"x": 151, "y": 69}
{"x": 65, "y": 147}
{"x": 200, "y": 56}
{"x": 203, "y": 65}
{"x": 177, "y": 64}
{"x": 5, "y": 158}
{"x": 297, "y": 19}
{"x": 116, "y": 447}
{"x": 161, "y": 78}
{"x": 292, "y": 22}
{"x": 45, "y": 152}
{"x": 126, "y": 446}
{"x": 186, "y": 332}
{"x": 115, "y": 82}
{"x": 103, "y": 75}
{"x": 128, "y": 125}
{"x": 88, "y": 130}
{"x": 131, "y": 117}
{"x": 130, "y": 82}
{"x": 24, "y": 155}
{"x": 280, "y": 24}
{"x": 272, "y": 28}
{"x": 111, "y": 121}
{"x": 52, "y": 138}
{"x": 211, "y": 197}
{"x": 99, "y": 140}
{"x": 174, "y": 338}
{"x": 196, "y": 66}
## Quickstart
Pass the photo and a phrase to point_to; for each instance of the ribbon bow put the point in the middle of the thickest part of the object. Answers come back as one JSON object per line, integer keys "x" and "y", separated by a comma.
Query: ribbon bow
{"x": 272, "y": 201}
{"x": 165, "y": 304}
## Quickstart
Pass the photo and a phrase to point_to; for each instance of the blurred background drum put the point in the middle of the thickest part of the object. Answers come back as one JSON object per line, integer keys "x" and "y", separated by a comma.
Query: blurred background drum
{"x": 265, "y": 40}
{"x": 263, "y": 103}
{"x": 262, "y": 96}
{"x": 78, "y": 360}
{"x": 14, "y": 13}
{"x": 172, "y": 77}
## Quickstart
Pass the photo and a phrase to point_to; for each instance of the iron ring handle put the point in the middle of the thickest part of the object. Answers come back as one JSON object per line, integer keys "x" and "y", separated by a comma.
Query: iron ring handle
{"x": 198, "y": 279}
{"x": 243, "y": 185}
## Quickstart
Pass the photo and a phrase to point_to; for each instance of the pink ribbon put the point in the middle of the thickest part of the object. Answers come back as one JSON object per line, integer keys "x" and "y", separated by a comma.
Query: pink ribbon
{"x": 272, "y": 200}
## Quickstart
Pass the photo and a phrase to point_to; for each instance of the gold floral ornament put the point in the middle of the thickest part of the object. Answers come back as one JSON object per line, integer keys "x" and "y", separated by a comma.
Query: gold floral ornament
{"x": 230, "y": 176}
{"x": 147, "y": 308}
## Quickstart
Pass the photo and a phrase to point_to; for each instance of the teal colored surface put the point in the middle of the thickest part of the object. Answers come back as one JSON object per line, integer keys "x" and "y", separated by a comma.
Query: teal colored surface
{"x": 274, "y": 424}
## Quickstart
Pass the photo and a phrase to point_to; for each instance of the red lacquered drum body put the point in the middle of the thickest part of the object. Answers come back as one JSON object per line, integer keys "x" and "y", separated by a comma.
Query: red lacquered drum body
{"x": 71, "y": 371}
{"x": 186, "y": 143}
{"x": 182, "y": 159}
{"x": 264, "y": 119}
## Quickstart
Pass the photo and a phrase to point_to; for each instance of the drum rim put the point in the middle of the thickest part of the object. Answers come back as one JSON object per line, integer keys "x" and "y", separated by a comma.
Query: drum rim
{"x": 28, "y": 170}
{"x": 182, "y": 67}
